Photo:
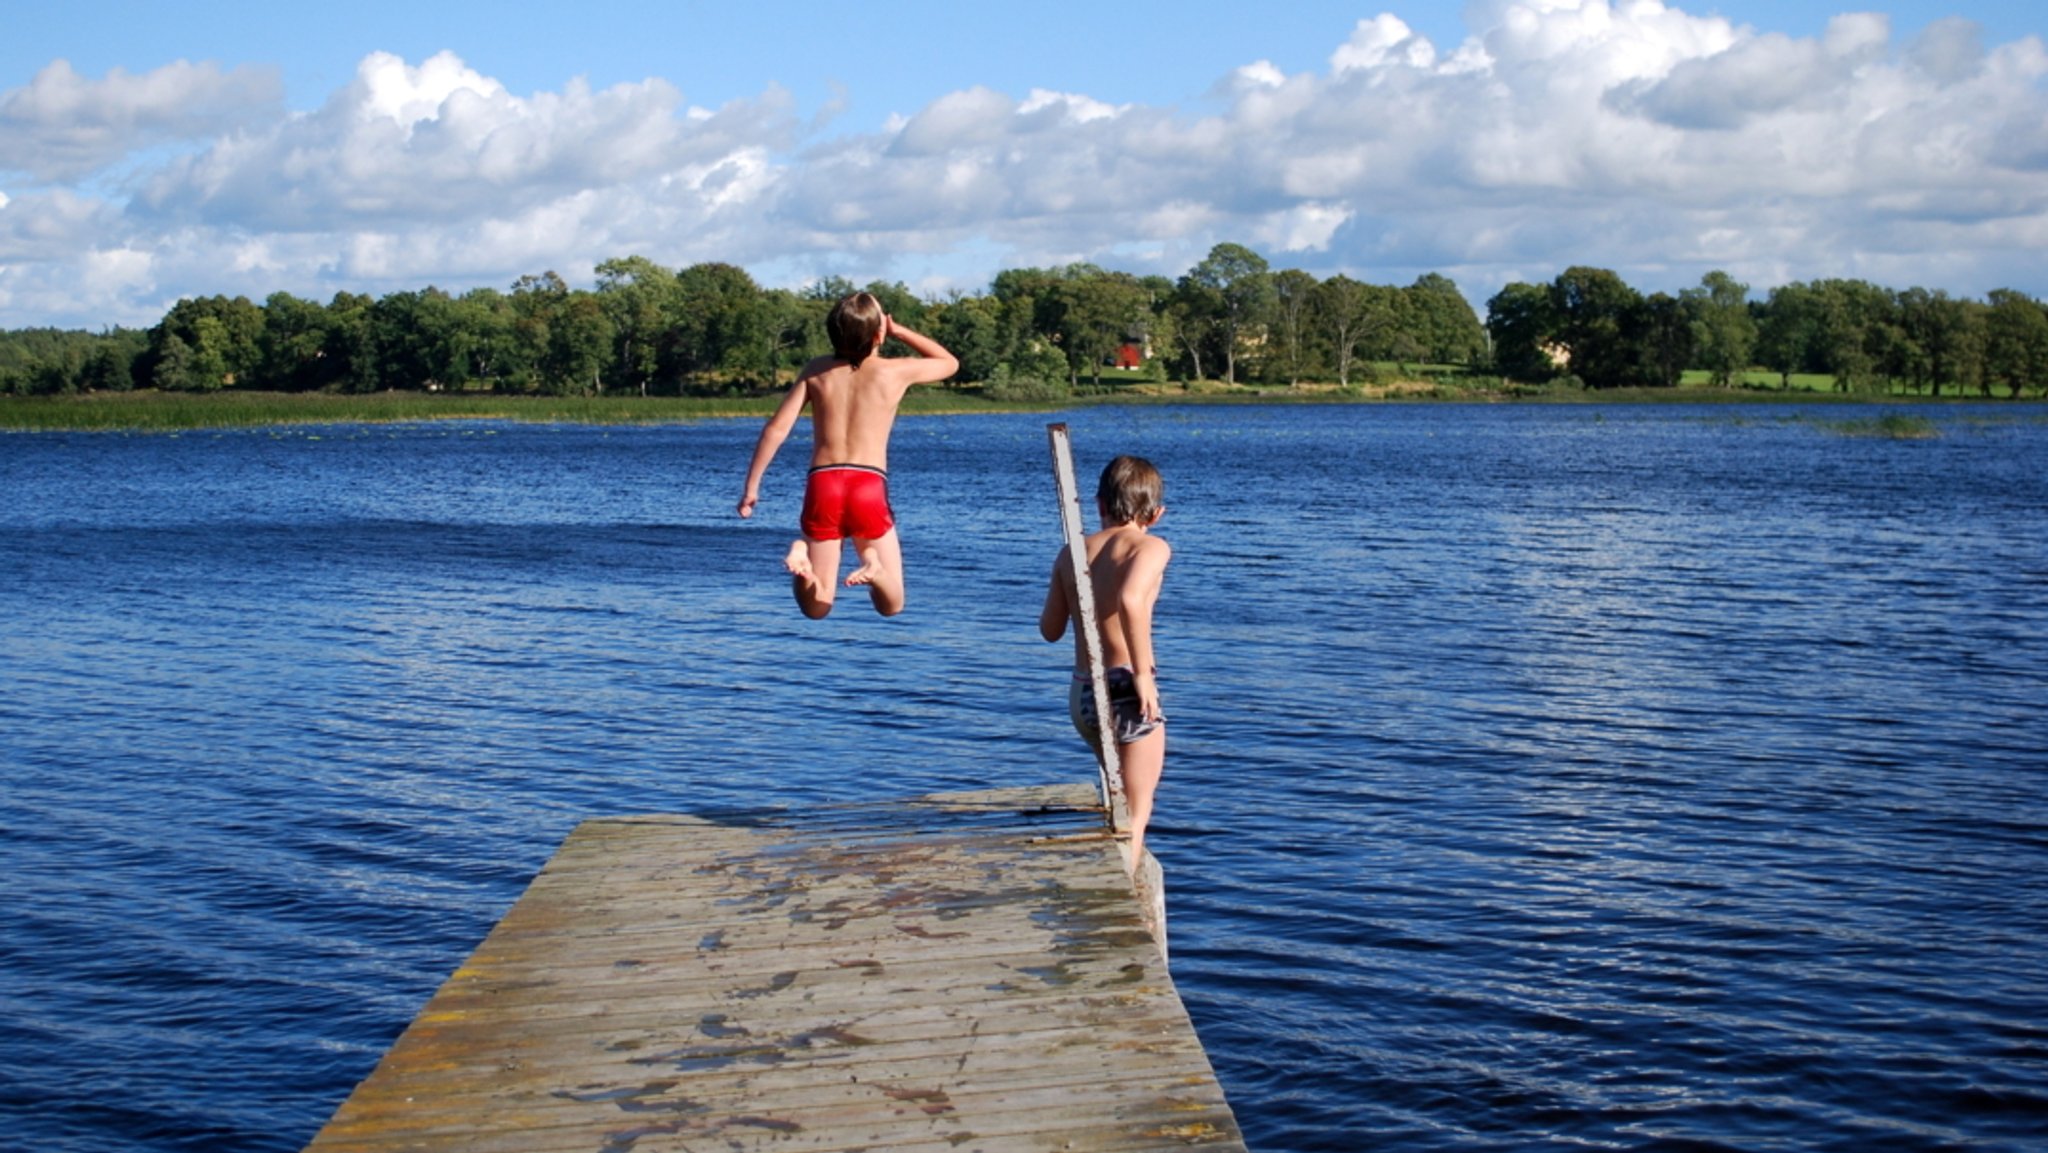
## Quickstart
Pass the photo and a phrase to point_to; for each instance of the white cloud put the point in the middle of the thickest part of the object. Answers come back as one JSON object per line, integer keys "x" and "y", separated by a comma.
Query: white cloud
{"x": 388, "y": 88}
{"x": 52, "y": 226}
{"x": 440, "y": 143}
{"x": 956, "y": 121}
{"x": 1067, "y": 106}
{"x": 1303, "y": 228}
{"x": 1257, "y": 74}
{"x": 113, "y": 272}
{"x": 1632, "y": 135}
{"x": 1757, "y": 77}
{"x": 63, "y": 126}
{"x": 1383, "y": 40}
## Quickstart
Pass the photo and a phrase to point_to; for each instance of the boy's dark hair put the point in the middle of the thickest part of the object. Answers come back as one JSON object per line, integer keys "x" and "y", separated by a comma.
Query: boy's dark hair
{"x": 852, "y": 325}
{"x": 1130, "y": 490}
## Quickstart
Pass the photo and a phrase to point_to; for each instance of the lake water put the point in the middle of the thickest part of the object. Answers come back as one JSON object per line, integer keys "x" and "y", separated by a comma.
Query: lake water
{"x": 1643, "y": 778}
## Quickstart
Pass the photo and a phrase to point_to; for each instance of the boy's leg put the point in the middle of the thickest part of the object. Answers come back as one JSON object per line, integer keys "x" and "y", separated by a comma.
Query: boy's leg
{"x": 812, "y": 564}
{"x": 881, "y": 569}
{"x": 1144, "y": 761}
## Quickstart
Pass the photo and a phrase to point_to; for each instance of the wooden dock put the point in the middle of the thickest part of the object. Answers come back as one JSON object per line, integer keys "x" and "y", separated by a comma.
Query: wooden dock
{"x": 949, "y": 973}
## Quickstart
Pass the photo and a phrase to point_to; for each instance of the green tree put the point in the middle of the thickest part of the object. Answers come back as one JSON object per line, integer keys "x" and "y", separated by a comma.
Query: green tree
{"x": 562, "y": 337}
{"x": 971, "y": 328}
{"x": 290, "y": 350}
{"x": 1237, "y": 290}
{"x": 537, "y": 303}
{"x": 110, "y": 367}
{"x": 1442, "y": 322}
{"x": 350, "y": 346}
{"x": 418, "y": 341}
{"x": 829, "y": 290}
{"x": 1159, "y": 336}
{"x": 1522, "y": 323}
{"x": 223, "y": 344}
{"x": 205, "y": 368}
{"x": 1032, "y": 309}
{"x": 1101, "y": 311}
{"x": 639, "y": 298}
{"x": 174, "y": 363}
{"x": 482, "y": 319}
{"x": 1946, "y": 336}
{"x": 1592, "y": 305}
{"x": 52, "y": 378}
{"x": 1294, "y": 296}
{"x": 1724, "y": 332}
{"x": 1856, "y": 334}
{"x": 795, "y": 329}
{"x": 2016, "y": 342}
{"x": 1661, "y": 331}
{"x": 1788, "y": 331}
{"x": 1035, "y": 371}
{"x": 52, "y": 360}
{"x": 720, "y": 328}
{"x": 579, "y": 346}
{"x": 1971, "y": 327}
{"x": 55, "y": 368}
{"x": 1192, "y": 313}
{"x": 1350, "y": 314}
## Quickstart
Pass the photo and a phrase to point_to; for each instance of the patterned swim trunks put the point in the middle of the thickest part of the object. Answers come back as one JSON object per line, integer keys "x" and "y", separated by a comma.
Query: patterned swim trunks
{"x": 1124, "y": 707}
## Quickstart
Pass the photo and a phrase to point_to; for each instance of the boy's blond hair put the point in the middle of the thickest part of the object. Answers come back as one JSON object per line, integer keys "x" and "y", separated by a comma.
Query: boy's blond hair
{"x": 1130, "y": 491}
{"x": 853, "y": 325}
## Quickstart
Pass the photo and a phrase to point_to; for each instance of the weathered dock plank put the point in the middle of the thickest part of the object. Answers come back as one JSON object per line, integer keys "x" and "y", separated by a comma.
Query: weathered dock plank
{"x": 958, "y": 972}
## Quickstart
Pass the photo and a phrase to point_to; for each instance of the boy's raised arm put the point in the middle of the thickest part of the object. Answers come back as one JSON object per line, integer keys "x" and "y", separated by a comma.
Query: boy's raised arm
{"x": 932, "y": 362}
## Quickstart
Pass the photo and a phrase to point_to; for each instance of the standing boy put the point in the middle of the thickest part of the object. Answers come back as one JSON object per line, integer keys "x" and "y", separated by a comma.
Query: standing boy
{"x": 853, "y": 396}
{"x": 1126, "y": 565}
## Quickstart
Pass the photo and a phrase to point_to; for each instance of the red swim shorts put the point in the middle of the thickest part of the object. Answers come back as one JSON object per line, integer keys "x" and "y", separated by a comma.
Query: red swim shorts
{"x": 847, "y": 500}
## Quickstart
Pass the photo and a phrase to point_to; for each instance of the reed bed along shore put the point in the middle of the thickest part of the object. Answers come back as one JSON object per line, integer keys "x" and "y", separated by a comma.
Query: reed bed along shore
{"x": 153, "y": 411}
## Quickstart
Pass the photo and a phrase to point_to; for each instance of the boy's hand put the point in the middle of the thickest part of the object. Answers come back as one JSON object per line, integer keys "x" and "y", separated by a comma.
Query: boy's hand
{"x": 747, "y": 504}
{"x": 1148, "y": 697}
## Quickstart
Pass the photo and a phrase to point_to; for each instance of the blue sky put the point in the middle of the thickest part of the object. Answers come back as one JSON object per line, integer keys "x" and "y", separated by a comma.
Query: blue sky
{"x": 245, "y": 148}
{"x": 1149, "y": 50}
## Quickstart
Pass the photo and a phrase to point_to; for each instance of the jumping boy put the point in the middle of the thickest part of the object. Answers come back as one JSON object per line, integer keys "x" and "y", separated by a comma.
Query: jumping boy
{"x": 1126, "y": 566}
{"x": 853, "y": 396}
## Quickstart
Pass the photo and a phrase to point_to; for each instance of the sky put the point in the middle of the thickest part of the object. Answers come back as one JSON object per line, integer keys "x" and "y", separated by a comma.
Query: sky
{"x": 153, "y": 151}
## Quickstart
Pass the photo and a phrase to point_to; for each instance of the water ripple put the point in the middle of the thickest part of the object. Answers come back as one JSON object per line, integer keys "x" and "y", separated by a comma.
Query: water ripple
{"x": 1617, "y": 778}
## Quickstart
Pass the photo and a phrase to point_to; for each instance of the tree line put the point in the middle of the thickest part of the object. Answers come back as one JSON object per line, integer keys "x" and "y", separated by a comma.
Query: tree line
{"x": 644, "y": 329}
{"x": 1591, "y": 325}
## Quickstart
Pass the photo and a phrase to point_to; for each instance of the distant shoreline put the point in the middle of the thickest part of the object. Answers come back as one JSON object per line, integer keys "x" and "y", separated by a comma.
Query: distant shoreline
{"x": 151, "y": 411}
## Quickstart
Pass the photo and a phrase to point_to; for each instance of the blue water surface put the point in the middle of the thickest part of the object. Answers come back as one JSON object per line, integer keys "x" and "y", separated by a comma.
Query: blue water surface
{"x": 1641, "y": 778}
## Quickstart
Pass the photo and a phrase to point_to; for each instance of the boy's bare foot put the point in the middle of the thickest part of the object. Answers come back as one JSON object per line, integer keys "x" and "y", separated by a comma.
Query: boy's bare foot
{"x": 798, "y": 562}
{"x": 1134, "y": 855}
{"x": 870, "y": 568}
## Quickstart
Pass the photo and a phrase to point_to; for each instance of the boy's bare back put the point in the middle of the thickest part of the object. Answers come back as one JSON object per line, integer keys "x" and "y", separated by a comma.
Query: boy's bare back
{"x": 1126, "y": 567}
{"x": 853, "y": 408}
